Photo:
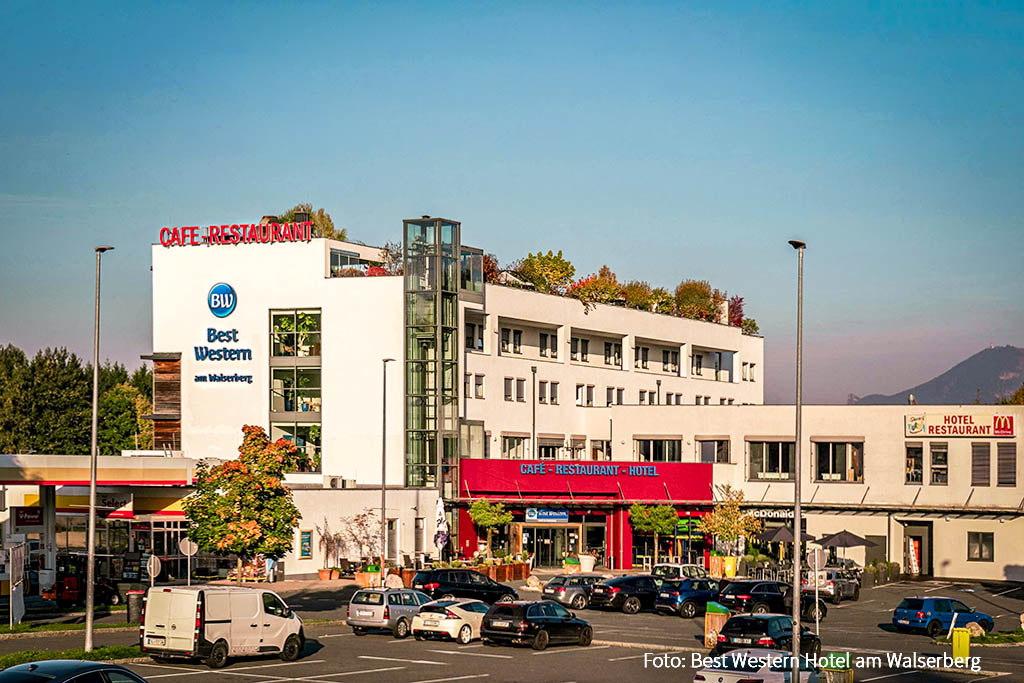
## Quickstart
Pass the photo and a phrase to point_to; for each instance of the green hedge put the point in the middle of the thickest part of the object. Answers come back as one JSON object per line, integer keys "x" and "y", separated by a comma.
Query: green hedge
{"x": 98, "y": 654}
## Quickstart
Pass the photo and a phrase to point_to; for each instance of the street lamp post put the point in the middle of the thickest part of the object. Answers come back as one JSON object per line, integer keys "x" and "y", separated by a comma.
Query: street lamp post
{"x": 90, "y": 571}
{"x": 797, "y": 532}
{"x": 384, "y": 466}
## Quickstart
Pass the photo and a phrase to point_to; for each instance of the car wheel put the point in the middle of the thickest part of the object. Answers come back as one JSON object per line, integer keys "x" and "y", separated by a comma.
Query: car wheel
{"x": 218, "y": 655}
{"x": 856, "y": 594}
{"x": 540, "y": 641}
{"x": 579, "y": 601}
{"x": 934, "y": 629}
{"x": 816, "y": 649}
{"x": 115, "y": 599}
{"x": 359, "y": 630}
{"x": 759, "y": 608}
{"x": 292, "y": 648}
{"x": 816, "y": 612}
{"x": 401, "y": 629}
{"x": 447, "y": 596}
{"x": 837, "y": 597}
{"x": 987, "y": 626}
{"x": 688, "y": 610}
{"x": 586, "y": 636}
{"x": 505, "y": 599}
{"x": 631, "y": 606}
{"x": 417, "y": 636}
{"x": 465, "y": 634}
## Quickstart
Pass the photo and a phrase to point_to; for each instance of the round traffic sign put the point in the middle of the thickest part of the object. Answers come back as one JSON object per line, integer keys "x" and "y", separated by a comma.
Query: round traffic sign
{"x": 816, "y": 558}
{"x": 153, "y": 565}
{"x": 188, "y": 547}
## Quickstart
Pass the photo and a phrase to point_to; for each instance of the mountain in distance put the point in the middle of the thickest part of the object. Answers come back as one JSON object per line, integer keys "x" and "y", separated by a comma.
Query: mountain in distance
{"x": 986, "y": 376}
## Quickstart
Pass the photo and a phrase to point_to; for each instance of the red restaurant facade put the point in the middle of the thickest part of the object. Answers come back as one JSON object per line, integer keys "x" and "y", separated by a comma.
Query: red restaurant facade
{"x": 563, "y": 507}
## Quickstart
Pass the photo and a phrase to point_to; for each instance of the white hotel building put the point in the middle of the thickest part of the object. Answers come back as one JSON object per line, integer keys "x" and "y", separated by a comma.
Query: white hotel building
{"x": 494, "y": 389}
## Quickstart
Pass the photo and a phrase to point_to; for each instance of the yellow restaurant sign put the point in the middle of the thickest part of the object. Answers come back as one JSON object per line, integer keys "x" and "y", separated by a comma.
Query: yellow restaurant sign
{"x": 956, "y": 424}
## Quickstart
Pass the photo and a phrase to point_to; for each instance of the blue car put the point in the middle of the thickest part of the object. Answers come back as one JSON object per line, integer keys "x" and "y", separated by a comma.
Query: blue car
{"x": 685, "y": 597}
{"x": 935, "y": 615}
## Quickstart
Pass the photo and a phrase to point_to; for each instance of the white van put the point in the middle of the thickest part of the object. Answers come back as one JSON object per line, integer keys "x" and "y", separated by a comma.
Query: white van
{"x": 217, "y": 622}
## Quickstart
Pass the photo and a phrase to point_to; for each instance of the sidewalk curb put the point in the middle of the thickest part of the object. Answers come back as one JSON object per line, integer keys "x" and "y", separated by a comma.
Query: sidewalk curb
{"x": 66, "y": 632}
{"x": 647, "y": 646}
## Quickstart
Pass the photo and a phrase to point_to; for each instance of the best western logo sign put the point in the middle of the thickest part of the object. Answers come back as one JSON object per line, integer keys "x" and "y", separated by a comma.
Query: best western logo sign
{"x": 953, "y": 424}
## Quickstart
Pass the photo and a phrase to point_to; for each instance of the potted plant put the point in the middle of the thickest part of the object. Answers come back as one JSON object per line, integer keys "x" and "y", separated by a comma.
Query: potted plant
{"x": 335, "y": 573}
{"x": 368, "y": 576}
{"x": 330, "y": 544}
{"x": 587, "y": 561}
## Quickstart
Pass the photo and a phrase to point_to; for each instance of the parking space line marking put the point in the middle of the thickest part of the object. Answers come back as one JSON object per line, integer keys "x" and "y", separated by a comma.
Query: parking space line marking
{"x": 902, "y": 673}
{"x": 348, "y": 673}
{"x": 619, "y": 659}
{"x": 455, "y": 678}
{"x": 938, "y": 588}
{"x": 470, "y": 654}
{"x": 996, "y": 595}
{"x": 408, "y": 661}
{"x": 591, "y": 647}
{"x": 335, "y": 635}
{"x": 166, "y": 666}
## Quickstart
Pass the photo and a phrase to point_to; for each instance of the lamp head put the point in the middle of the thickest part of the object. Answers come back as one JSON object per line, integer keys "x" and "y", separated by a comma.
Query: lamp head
{"x": 798, "y": 244}
{"x": 100, "y": 250}
{"x": 388, "y": 360}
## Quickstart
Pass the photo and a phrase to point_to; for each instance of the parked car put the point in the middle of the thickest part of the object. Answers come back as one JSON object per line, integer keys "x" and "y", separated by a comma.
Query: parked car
{"x": 935, "y": 615}
{"x": 760, "y": 631}
{"x": 218, "y": 622}
{"x": 762, "y": 597}
{"x": 628, "y": 593}
{"x": 670, "y": 570}
{"x": 391, "y": 609}
{"x": 686, "y": 597}
{"x": 462, "y": 583}
{"x": 67, "y": 670}
{"x": 457, "y": 619}
{"x": 764, "y": 666}
{"x": 834, "y": 584}
{"x": 534, "y": 623}
{"x": 571, "y": 589}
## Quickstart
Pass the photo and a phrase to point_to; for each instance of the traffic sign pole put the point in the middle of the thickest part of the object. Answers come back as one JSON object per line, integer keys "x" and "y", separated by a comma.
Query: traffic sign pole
{"x": 188, "y": 548}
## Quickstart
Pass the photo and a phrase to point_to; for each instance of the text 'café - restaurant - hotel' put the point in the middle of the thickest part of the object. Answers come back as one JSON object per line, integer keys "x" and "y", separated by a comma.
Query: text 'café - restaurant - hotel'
{"x": 566, "y": 415}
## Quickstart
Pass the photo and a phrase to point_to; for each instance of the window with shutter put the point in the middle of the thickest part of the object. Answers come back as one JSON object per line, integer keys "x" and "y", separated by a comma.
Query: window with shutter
{"x": 1006, "y": 464}
{"x": 981, "y": 456}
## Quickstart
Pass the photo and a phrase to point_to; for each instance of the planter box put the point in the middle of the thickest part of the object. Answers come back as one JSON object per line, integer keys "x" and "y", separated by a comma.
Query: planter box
{"x": 407, "y": 577}
{"x": 323, "y": 574}
{"x": 335, "y": 574}
{"x": 367, "y": 579}
{"x": 520, "y": 571}
{"x": 501, "y": 572}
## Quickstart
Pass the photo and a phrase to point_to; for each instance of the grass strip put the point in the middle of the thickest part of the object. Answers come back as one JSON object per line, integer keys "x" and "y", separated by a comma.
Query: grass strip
{"x": 98, "y": 654}
{"x": 35, "y": 627}
{"x": 993, "y": 638}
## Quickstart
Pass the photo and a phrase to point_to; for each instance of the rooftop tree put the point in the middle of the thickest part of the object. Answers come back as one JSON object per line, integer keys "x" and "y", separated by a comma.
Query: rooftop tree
{"x": 550, "y": 273}
{"x": 323, "y": 226}
{"x": 601, "y": 288}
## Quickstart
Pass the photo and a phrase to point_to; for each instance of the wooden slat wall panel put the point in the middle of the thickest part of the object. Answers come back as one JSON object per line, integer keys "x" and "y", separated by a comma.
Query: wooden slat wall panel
{"x": 167, "y": 387}
{"x": 167, "y": 434}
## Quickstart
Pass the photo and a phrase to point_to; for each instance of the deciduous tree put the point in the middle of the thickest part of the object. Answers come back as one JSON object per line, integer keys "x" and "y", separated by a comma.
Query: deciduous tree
{"x": 1014, "y": 399}
{"x": 600, "y": 288}
{"x": 653, "y": 519}
{"x": 488, "y": 515}
{"x": 550, "y": 273}
{"x": 727, "y": 521}
{"x": 323, "y": 226}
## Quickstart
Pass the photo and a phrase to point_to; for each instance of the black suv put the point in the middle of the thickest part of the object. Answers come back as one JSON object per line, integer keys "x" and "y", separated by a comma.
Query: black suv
{"x": 762, "y": 597}
{"x": 770, "y": 631}
{"x": 534, "y": 623}
{"x": 462, "y": 583}
{"x": 628, "y": 593}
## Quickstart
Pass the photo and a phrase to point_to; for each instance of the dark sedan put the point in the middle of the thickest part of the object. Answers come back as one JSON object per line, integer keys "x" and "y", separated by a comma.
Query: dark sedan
{"x": 762, "y": 597}
{"x": 769, "y": 631}
{"x": 65, "y": 670}
{"x": 534, "y": 623}
{"x": 462, "y": 583}
{"x": 628, "y": 593}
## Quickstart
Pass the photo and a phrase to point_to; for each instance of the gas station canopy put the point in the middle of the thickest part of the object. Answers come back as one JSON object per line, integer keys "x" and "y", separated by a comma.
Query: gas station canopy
{"x": 111, "y": 470}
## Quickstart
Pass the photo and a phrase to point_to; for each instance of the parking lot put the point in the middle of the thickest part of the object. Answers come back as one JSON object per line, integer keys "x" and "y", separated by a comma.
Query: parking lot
{"x": 862, "y": 628}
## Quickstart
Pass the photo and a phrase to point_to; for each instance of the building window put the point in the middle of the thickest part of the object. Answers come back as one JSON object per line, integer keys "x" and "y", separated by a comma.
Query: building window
{"x": 652, "y": 397}
{"x": 305, "y": 436}
{"x": 721, "y": 401}
{"x": 641, "y": 355}
{"x": 554, "y": 393}
{"x": 696, "y": 365}
{"x": 981, "y": 464}
{"x": 474, "y": 337}
{"x": 543, "y": 345}
{"x": 670, "y": 399}
{"x": 467, "y": 385}
{"x": 574, "y": 348}
{"x": 579, "y": 349}
{"x": 517, "y": 341}
{"x": 743, "y": 372}
{"x": 542, "y": 392}
{"x": 295, "y": 333}
{"x": 613, "y": 353}
{"x": 609, "y": 396}
{"x": 751, "y": 372}
{"x": 914, "y": 465}
{"x": 509, "y": 389}
{"x": 419, "y": 536}
{"x": 520, "y": 390}
{"x": 980, "y": 546}
{"x": 295, "y": 389}
{"x": 643, "y": 397}
{"x": 600, "y": 450}
{"x": 940, "y": 464}
{"x": 478, "y": 386}
{"x": 670, "y": 361}
{"x": 579, "y": 394}
{"x": 513, "y": 447}
{"x": 346, "y": 263}
{"x": 679, "y": 399}
{"x": 554, "y": 346}
{"x": 718, "y": 365}
{"x": 1006, "y": 464}
{"x": 659, "y": 450}
{"x": 577, "y": 449}
{"x": 506, "y": 339}
{"x": 590, "y": 394}
{"x": 839, "y": 461}
{"x": 548, "y": 450}
{"x": 771, "y": 460}
{"x": 714, "y": 451}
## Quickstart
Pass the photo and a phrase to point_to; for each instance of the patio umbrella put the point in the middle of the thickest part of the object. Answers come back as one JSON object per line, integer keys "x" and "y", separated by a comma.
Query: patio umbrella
{"x": 782, "y": 534}
{"x": 441, "y": 536}
{"x": 844, "y": 539}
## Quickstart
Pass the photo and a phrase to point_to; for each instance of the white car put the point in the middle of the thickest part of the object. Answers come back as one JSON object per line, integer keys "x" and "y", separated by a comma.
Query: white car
{"x": 671, "y": 571}
{"x": 768, "y": 666}
{"x": 458, "y": 619}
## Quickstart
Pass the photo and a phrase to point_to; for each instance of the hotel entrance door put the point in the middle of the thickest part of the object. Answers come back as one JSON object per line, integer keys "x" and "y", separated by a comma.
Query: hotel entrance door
{"x": 549, "y": 544}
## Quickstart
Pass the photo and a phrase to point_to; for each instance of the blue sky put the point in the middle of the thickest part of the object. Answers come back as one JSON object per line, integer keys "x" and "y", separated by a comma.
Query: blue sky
{"x": 668, "y": 140}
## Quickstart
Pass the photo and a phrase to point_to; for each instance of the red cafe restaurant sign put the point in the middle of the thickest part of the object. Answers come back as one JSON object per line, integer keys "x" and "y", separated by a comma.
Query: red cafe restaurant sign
{"x": 953, "y": 424}
{"x": 236, "y": 233}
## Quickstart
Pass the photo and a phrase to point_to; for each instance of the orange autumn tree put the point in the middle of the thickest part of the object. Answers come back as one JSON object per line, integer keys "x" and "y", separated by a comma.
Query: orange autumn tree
{"x": 242, "y": 507}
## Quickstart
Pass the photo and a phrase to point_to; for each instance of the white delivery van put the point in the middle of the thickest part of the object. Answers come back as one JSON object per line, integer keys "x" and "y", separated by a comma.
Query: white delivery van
{"x": 218, "y": 622}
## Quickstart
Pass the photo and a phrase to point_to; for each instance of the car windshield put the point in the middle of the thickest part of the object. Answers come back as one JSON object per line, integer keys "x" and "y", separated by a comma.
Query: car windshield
{"x": 422, "y": 577}
{"x": 745, "y": 625}
{"x": 736, "y": 588}
{"x": 665, "y": 570}
{"x": 506, "y": 610}
{"x": 911, "y": 603}
{"x": 557, "y": 581}
{"x": 368, "y": 598}
{"x": 673, "y": 585}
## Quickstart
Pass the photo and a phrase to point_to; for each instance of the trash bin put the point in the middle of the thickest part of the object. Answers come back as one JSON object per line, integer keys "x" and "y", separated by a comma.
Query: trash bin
{"x": 135, "y": 601}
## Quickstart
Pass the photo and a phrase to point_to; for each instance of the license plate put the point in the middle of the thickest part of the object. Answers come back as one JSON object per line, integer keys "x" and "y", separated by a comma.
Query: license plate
{"x": 742, "y": 641}
{"x": 364, "y": 613}
{"x": 664, "y": 595}
{"x": 902, "y": 621}
{"x": 501, "y": 624}
{"x": 156, "y": 640}
{"x": 431, "y": 623}
{"x": 599, "y": 590}
{"x": 549, "y": 590}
